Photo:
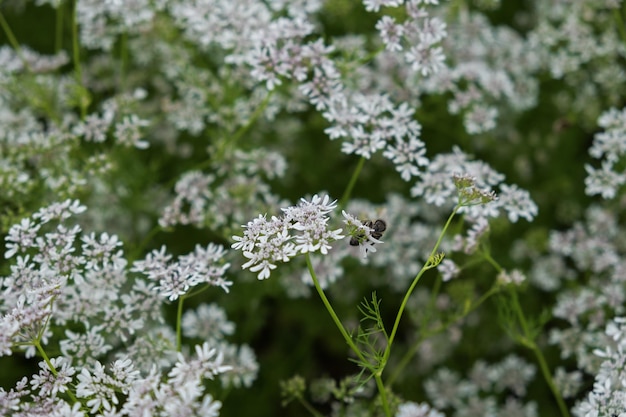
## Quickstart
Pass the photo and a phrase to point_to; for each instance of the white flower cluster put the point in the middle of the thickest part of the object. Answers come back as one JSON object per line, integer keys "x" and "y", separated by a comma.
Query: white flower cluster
{"x": 610, "y": 147}
{"x": 608, "y": 397}
{"x": 482, "y": 391}
{"x": 119, "y": 388}
{"x": 411, "y": 409}
{"x": 301, "y": 229}
{"x": 204, "y": 265}
{"x": 420, "y": 33}
{"x": 225, "y": 197}
{"x": 436, "y": 187}
{"x": 59, "y": 276}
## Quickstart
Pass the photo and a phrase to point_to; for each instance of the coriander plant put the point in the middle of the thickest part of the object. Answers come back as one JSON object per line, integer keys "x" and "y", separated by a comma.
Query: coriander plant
{"x": 398, "y": 208}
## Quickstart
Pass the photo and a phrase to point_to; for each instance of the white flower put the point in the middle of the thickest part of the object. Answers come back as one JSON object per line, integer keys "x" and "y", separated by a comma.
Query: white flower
{"x": 301, "y": 229}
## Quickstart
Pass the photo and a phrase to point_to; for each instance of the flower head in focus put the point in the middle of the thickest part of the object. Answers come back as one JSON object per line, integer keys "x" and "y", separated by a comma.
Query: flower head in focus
{"x": 301, "y": 229}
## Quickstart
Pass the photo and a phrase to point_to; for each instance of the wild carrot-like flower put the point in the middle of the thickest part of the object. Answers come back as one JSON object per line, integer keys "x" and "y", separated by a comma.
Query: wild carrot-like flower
{"x": 301, "y": 229}
{"x": 176, "y": 278}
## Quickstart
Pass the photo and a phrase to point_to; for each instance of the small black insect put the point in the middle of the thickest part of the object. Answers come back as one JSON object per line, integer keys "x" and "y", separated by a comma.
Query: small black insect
{"x": 379, "y": 226}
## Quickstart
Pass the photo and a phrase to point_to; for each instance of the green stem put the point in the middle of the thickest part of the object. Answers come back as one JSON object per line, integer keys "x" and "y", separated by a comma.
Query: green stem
{"x": 331, "y": 311}
{"x": 13, "y": 41}
{"x": 351, "y": 183}
{"x": 383, "y": 392}
{"x": 42, "y": 352}
{"x": 139, "y": 249}
{"x": 617, "y": 15}
{"x": 76, "y": 57}
{"x": 548, "y": 377}
{"x": 346, "y": 336}
{"x": 123, "y": 60}
{"x": 414, "y": 283}
{"x": 243, "y": 129}
{"x": 309, "y": 407}
{"x": 179, "y": 321}
{"x": 425, "y": 333}
{"x": 528, "y": 341}
{"x": 492, "y": 261}
{"x": 58, "y": 30}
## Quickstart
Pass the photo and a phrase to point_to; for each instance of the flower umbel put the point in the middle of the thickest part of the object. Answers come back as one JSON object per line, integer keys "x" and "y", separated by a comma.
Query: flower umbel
{"x": 301, "y": 229}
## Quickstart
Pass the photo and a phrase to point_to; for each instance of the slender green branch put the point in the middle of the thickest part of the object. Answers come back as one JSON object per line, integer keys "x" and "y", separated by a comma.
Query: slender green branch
{"x": 123, "y": 60}
{"x": 528, "y": 340}
{"x": 414, "y": 283}
{"x": 619, "y": 22}
{"x": 309, "y": 407}
{"x": 426, "y": 333}
{"x": 331, "y": 311}
{"x": 383, "y": 393}
{"x": 139, "y": 249}
{"x": 353, "y": 65}
{"x": 13, "y": 41}
{"x": 77, "y": 64}
{"x": 58, "y": 30}
{"x": 545, "y": 371}
{"x": 44, "y": 355}
{"x": 346, "y": 336}
{"x": 351, "y": 183}
{"x": 491, "y": 261}
{"x": 179, "y": 321}
{"x": 243, "y": 129}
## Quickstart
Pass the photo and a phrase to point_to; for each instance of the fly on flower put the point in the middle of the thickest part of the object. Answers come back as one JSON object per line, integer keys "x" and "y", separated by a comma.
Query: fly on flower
{"x": 364, "y": 234}
{"x": 378, "y": 227}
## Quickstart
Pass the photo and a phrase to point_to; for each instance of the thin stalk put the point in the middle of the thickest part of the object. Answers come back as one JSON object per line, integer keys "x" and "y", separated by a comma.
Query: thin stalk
{"x": 309, "y": 407}
{"x": 13, "y": 41}
{"x": 414, "y": 283}
{"x": 545, "y": 371}
{"x": 529, "y": 342}
{"x": 179, "y": 320}
{"x": 43, "y": 354}
{"x": 331, "y": 311}
{"x": 425, "y": 334}
{"x": 243, "y": 129}
{"x": 383, "y": 393}
{"x": 617, "y": 15}
{"x": 139, "y": 249}
{"x": 76, "y": 57}
{"x": 351, "y": 183}
{"x": 123, "y": 60}
{"x": 346, "y": 336}
{"x": 58, "y": 30}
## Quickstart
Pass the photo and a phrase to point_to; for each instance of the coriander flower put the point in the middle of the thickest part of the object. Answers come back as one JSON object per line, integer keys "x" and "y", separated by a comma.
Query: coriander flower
{"x": 301, "y": 229}
{"x": 176, "y": 278}
{"x": 411, "y": 409}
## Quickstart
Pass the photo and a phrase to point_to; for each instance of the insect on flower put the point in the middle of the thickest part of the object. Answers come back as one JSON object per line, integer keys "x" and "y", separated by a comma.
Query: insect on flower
{"x": 378, "y": 226}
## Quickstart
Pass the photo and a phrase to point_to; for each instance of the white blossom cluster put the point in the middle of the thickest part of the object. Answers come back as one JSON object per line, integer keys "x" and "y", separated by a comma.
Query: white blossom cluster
{"x": 301, "y": 229}
{"x": 436, "y": 187}
{"x": 490, "y": 389}
{"x": 203, "y": 266}
{"x": 609, "y": 146}
{"x": 608, "y": 396}
{"x": 591, "y": 248}
{"x": 224, "y": 200}
{"x": 73, "y": 293}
